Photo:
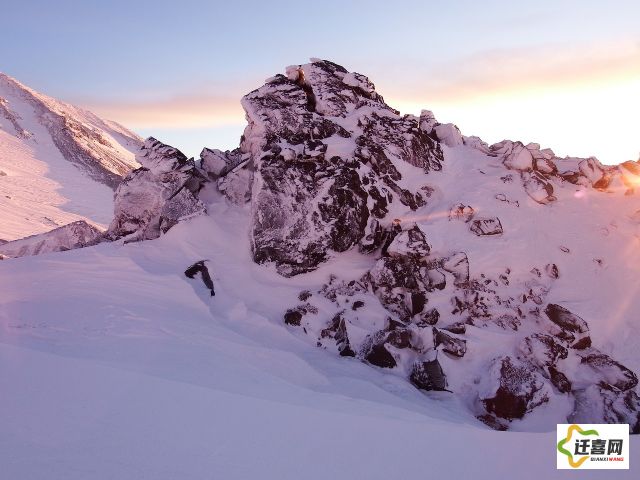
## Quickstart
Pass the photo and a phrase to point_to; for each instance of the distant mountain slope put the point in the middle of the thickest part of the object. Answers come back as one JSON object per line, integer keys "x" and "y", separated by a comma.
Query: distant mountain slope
{"x": 58, "y": 163}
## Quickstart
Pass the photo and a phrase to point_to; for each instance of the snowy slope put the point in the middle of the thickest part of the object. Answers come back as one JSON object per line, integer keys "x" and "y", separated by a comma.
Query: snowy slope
{"x": 58, "y": 163}
{"x": 116, "y": 365}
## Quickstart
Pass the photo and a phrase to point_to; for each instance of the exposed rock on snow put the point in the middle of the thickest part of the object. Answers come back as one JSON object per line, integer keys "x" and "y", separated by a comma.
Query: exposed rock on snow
{"x": 565, "y": 319}
{"x": 486, "y": 226}
{"x": 68, "y": 237}
{"x": 428, "y": 375}
{"x": 515, "y": 389}
{"x": 449, "y": 134}
{"x": 156, "y": 196}
{"x": 461, "y": 212}
{"x": 410, "y": 242}
{"x": 199, "y": 268}
{"x": 537, "y": 187}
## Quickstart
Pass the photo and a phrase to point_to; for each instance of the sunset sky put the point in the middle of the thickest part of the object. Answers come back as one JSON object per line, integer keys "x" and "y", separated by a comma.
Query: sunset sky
{"x": 565, "y": 74}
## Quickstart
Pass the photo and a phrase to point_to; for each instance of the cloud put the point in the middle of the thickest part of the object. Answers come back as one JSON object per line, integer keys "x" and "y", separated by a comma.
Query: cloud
{"x": 512, "y": 71}
{"x": 193, "y": 110}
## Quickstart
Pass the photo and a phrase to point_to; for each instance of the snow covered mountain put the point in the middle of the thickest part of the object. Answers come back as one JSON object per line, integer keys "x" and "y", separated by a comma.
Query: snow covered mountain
{"x": 58, "y": 163}
{"x": 384, "y": 287}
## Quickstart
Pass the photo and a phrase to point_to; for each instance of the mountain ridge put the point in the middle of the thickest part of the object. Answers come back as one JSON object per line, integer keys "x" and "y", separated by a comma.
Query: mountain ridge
{"x": 59, "y": 162}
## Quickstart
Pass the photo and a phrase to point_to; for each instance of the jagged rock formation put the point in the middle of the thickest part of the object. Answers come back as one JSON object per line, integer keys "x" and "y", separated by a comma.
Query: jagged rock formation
{"x": 68, "y": 237}
{"x": 323, "y": 145}
{"x": 156, "y": 196}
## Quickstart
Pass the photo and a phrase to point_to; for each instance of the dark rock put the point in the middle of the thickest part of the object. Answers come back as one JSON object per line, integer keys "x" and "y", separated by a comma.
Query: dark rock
{"x": 357, "y": 305}
{"x": 542, "y": 350}
{"x": 552, "y": 270}
{"x": 565, "y": 319}
{"x": 428, "y": 375}
{"x": 559, "y": 380}
{"x": 304, "y": 295}
{"x": 293, "y": 317}
{"x": 201, "y": 269}
{"x": 486, "y": 227}
{"x": 493, "y": 422}
{"x": 582, "y": 343}
{"x": 379, "y": 356}
{"x": 538, "y": 187}
{"x": 394, "y": 280}
{"x": 342, "y": 340}
{"x": 450, "y": 344}
{"x": 518, "y": 390}
{"x": 428, "y": 318}
{"x": 458, "y": 265}
{"x": 610, "y": 374}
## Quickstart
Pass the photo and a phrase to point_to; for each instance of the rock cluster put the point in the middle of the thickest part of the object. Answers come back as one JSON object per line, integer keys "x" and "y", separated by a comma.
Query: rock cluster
{"x": 154, "y": 197}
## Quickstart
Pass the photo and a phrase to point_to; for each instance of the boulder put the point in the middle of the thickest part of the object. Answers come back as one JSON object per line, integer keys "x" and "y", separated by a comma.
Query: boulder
{"x": 74, "y": 235}
{"x": 412, "y": 242}
{"x": 608, "y": 373}
{"x": 449, "y": 134}
{"x": 486, "y": 226}
{"x": 542, "y": 350}
{"x": 514, "y": 389}
{"x": 450, "y": 344}
{"x": 565, "y": 319}
{"x": 428, "y": 375}
{"x": 537, "y": 187}
{"x": 156, "y": 196}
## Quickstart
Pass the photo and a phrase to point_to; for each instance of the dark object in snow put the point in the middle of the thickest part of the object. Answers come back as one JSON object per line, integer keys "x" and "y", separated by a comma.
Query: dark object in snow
{"x": 565, "y": 319}
{"x": 293, "y": 317}
{"x": 486, "y": 227}
{"x": 518, "y": 389}
{"x": 428, "y": 375}
{"x": 201, "y": 268}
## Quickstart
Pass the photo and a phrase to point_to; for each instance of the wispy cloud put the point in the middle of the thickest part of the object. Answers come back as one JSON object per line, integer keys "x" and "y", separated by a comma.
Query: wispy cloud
{"x": 192, "y": 110}
{"x": 511, "y": 71}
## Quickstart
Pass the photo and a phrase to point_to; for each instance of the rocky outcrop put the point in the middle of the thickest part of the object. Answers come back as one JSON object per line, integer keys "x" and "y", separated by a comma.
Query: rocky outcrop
{"x": 412, "y": 314}
{"x": 514, "y": 389}
{"x": 156, "y": 196}
{"x": 323, "y": 145}
{"x": 68, "y": 237}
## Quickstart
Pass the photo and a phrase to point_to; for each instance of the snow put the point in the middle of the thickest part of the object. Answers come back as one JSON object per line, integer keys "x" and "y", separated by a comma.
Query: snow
{"x": 113, "y": 364}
